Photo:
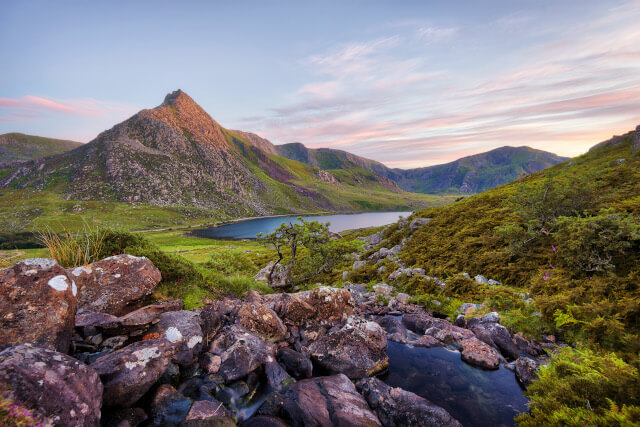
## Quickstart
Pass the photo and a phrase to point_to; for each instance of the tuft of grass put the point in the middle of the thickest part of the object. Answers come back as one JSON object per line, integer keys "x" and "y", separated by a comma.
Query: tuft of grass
{"x": 74, "y": 250}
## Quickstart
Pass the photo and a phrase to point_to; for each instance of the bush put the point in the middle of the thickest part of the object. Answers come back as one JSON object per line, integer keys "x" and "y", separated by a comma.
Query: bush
{"x": 23, "y": 240}
{"x": 595, "y": 244}
{"x": 583, "y": 387}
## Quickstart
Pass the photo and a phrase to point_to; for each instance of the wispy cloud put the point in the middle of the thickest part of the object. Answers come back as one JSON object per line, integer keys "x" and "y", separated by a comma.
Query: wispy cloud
{"x": 31, "y": 107}
{"x": 390, "y": 98}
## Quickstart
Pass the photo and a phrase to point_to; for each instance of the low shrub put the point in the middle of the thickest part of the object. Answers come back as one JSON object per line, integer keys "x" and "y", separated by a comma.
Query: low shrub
{"x": 584, "y": 387}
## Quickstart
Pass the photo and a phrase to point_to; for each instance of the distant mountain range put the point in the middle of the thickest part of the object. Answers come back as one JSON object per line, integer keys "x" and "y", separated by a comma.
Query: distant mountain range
{"x": 177, "y": 155}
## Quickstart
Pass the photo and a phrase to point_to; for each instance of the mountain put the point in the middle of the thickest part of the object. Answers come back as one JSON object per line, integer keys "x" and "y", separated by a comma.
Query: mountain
{"x": 477, "y": 173}
{"x": 177, "y": 155}
{"x": 20, "y": 147}
{"x": 472, "y": 174}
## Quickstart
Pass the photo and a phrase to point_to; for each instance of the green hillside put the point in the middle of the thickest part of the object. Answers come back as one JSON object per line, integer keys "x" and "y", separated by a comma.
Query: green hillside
{"x": 565, "y": 245}
{"x": 19, "y": 147}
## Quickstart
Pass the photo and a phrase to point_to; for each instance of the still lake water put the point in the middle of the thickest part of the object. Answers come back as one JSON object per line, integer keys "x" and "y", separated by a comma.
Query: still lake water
{"x": 473, "y": 396}
{"x": 341, "y": 222}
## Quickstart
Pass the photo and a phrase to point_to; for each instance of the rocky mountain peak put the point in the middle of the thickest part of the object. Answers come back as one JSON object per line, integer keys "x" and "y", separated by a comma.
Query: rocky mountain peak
{"x": 181, "y": 112}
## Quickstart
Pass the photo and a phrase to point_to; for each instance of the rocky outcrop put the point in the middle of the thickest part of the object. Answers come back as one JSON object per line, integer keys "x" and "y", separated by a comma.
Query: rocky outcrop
{"x": 397, "y": 407}
{"x": 358, "y": 349}
{"x": 418, "y": 222}
{"x": 496, "y": 335}
{"x": 55, "y": 386}
{"x": 37, "y": 305}
{"x": 324, "y": 401}
{"x": 116, "y": 285}
{"x": 128, "y": 373}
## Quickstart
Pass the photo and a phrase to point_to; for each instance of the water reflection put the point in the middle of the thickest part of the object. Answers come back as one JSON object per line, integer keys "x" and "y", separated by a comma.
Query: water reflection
{"x": 475, "y": 397}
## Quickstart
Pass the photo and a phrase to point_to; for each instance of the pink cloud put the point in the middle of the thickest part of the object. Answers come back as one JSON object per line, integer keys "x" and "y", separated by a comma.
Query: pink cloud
{"x": 29, "y": 106}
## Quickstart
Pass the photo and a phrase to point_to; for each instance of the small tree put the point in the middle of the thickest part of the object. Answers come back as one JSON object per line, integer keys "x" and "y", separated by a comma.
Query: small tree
{"x": 320, "y": 253}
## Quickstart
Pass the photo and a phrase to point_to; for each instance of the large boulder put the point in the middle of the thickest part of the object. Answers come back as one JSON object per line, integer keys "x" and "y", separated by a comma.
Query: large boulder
{"x": 358, "y": 349}
{"x": 240, "y": 352}
{"x": 294, "y": 309}
{"x": 262, "y": 321}
{"x": 37, "y": 305}
{"x": 325, "y": 401}
{"x": 181, "y": 328}
{"x": 398, "y": 407}
{"x": 496, "y": 335}
{"x": 478, "y": 353}
{"x": 115, "y": 285}
{"x": 55, "y": 386}
{"x": 331, "y": 304}
{"x": 128, "y": 373}
{"x": 418, "y": 222}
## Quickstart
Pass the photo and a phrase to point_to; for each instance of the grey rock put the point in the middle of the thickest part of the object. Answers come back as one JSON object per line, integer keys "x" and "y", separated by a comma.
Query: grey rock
{"x": 55, "y": 386}
{"x": 481, "y": 279}
{"x": 182, "y": 329}
{"x": 398, "y": 407}
{"x": 128, "y": 373}
{"x": 418, "y": 222}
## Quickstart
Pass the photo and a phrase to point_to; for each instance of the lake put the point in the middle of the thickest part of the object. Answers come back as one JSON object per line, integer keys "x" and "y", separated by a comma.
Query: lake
{"x": 340, "y": 222}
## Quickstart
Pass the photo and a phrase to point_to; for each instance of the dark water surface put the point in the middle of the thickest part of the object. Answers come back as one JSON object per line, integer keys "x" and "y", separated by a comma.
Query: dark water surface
{"x": 473, "y": 396}
{"x": 250, "y": 228}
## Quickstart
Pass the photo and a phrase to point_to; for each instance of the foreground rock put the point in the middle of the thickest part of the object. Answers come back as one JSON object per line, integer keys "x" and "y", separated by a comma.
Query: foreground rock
{"x": 115, "y": 285}
{"x": 478, "y": 353}
{"x": 296, "y": 364}
{"x": 57, "y": 387}
{"x": 37, "y": 305}
{"x": 397, "y": 407}
{"x": 358, "y": 349}
{"x": 261, "y": 320}
{"x": 128, "y": 373}
{"x": 324, "y": 401}
{"x": 240, "y": 352}
{"x": 526, "y": 370}
{"x": 181, "y": 328}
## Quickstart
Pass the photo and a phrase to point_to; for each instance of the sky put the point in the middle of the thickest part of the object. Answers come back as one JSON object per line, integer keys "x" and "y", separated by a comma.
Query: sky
{"x": 407, "y": 83}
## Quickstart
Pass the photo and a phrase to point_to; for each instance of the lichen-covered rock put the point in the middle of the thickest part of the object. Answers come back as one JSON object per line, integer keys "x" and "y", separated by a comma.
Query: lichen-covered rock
{"x": 398, "y": 407}
{"x": 240, "y": 351}
{"x": 128, "y": 373}
{"x": 262, "y": 321}
{"x": 37, "y": 305}
{"x": 331, "y": 304}
{"x": 358, "y": 349}
{"x": 294, "y": 309}
{"x": 325, "y": 401}
{"x": 295, "y": 363}
{"x": 478, "y": 353}
{"x": 116, "y": 285}
{"x": 182, "y": 329}
{"x": 526, "y": 370}
{"x": 55, "y": 386}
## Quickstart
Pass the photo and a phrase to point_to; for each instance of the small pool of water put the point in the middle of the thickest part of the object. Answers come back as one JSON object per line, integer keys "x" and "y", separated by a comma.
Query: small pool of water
{"x": 340, "y": 222}
{"x": 475, "y": 397}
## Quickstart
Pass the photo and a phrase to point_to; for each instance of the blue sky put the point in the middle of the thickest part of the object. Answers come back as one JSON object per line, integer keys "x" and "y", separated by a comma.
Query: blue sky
{"x": 408, "y": 83}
